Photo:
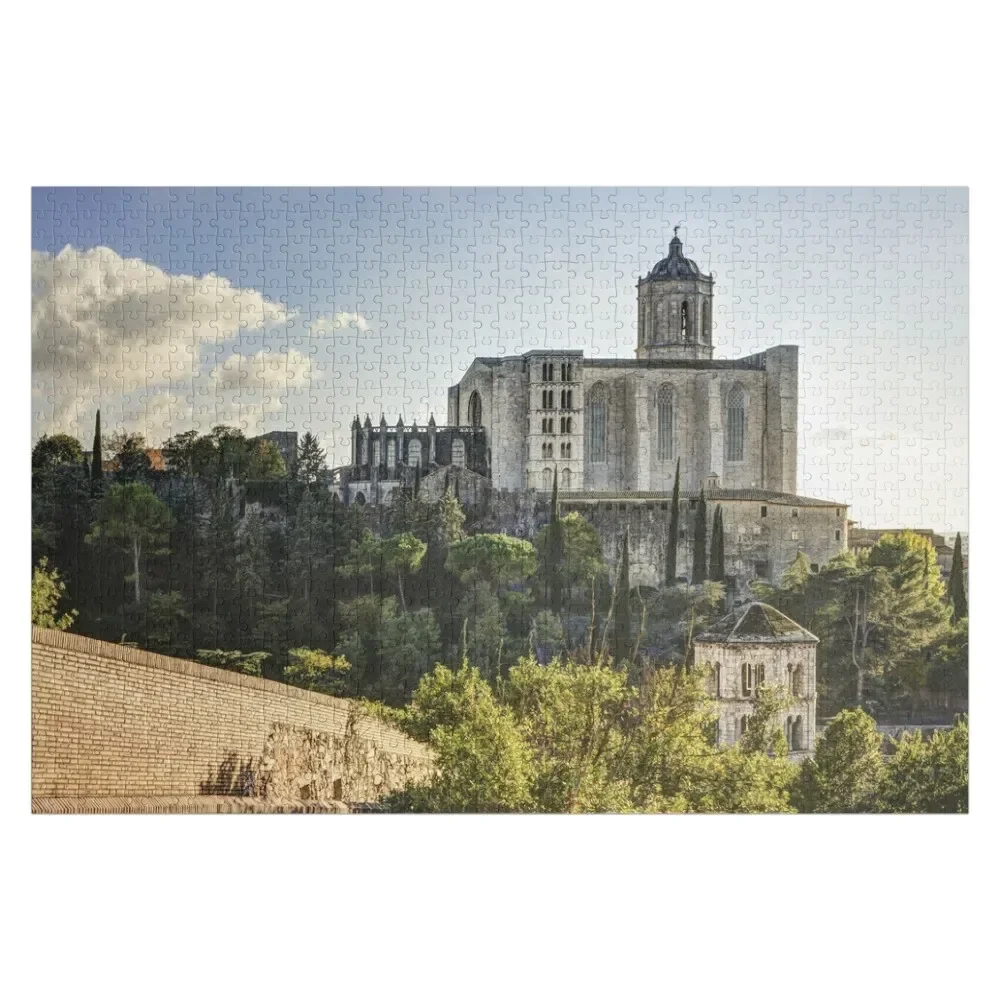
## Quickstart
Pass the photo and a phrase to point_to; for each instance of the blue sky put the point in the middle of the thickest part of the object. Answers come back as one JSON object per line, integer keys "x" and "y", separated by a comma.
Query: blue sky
{"x": 296, "y": 308}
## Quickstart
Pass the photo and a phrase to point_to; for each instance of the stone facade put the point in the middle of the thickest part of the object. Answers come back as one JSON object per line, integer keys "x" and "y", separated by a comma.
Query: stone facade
{"x": 753, "y": 645}
{"x": 113, "y": 721}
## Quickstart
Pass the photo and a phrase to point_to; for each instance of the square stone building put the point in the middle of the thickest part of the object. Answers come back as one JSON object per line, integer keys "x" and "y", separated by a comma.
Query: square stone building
{"x": 756, "y": 644}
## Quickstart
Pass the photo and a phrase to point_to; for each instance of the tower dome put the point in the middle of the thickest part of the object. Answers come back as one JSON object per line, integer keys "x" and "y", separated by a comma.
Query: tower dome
{"x": 675, "y": 309}
{"x": 675, "y": 264}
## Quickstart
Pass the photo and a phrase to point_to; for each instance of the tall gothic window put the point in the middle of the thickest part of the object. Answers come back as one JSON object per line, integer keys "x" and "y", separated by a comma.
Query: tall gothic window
{"x": 377, "y": 453}
{"x": 735, "y": 423}
{"x": 413, "y": 453}
{"x": 665, "y": 423}
{"x": 567, "y": 479}
{"x": 458, "y": 453}
{"x": 546, "y": 479}
{"x": 475, "y": 410}
{"x": 685, "y": 323}
{"x": 706, "y": 322}
{"x": 597, "y": 423}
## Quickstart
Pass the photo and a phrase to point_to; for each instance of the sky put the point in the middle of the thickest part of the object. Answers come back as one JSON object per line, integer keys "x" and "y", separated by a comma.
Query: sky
{"x": 294, "y": 309}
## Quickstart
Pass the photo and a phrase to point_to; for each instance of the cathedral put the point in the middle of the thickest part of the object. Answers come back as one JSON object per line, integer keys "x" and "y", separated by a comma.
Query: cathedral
{"x": 614, "y": 432}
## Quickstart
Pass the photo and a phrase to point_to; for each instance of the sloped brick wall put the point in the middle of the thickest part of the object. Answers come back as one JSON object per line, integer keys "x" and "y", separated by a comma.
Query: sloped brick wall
{"x": 112, "y": 721}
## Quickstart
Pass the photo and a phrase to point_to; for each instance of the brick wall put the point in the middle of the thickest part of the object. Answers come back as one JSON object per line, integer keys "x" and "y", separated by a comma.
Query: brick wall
{"x": 109, "y": 720}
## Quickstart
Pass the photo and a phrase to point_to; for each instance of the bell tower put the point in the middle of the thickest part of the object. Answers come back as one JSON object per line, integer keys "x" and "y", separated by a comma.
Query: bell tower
{"x": 675, "y": 309}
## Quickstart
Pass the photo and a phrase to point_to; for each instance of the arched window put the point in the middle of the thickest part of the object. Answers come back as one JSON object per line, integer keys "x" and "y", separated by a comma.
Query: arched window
{"x": 546, "y": 479}
{"x": 796, "y": 741}
{"x": 706, "y": 322}
{"x": 475, "y": 411}
{"x": 377, "y": 454}
{"x": 413, "y": 453}
{"x": 718, "y": 680}
{"x": 665, "y": 423}
{"x": 685, "y": 323}
{"x": 360, "y": 500}
{"x": 797, "y": 681}
{"x": 567, "y": 479}
{"x": 565, "y": 449}
{"x": 597, "y": 423}
{"x": 735, "y": 423}
{"x": 742, "y": 727}
{"x": 458, "y": 453}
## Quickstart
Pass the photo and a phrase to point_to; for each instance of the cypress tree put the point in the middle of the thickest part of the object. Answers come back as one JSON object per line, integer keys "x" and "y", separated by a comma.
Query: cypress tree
{"x": 556, "y": 553}
{"x": 717, "y": 561}
{"x": 622, "y": 613}
{"x": 956, "y": 584}
{"x": 675, "y": 517}
{"x": 96, "y": 461}
{"x": 699, "y": 569}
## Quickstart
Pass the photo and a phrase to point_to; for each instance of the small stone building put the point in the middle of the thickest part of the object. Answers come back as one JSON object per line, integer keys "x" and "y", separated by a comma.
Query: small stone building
{"x": 756, "y": 644}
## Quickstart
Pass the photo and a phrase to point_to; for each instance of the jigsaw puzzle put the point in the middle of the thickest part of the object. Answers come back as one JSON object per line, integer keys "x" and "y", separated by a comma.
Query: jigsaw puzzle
{"x": 500, "y": 500}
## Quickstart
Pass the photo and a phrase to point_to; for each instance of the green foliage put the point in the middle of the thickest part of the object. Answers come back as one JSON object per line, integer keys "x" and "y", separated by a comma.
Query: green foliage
{"x": 310, "y": 461}
{"x": 844, "y": 774}
{"x": 316, "y": 670}
{"x": 47, "y": 590}
{"x": 675, "y": 614}
{"x": 581, "y": 560}
{"x": 763, "y": 733}
{"x": 498, "y": 560}
{"x": 264, "y": 462}
{"x": 956, "y": 584}
{"x": 96, "y": 459}
{"x": 928, "y": 775}
{"x": 670, "y": 574}
{"x": 621, "y": 608}
{"x": 949, "y": 661}
{"x": 131, "y": 516}
{"x": 699, "y": 567}
{"x": 717, "y": 558}
{"x": 165, "y": 619}
{"x": 402, "y": 554}
{"x": 56, "y": 449}
{"x": 547, "y": 636}
{"x": 877, "y": 614}
{"x": 129, "y": 454}
{"x": 251, "y": 664}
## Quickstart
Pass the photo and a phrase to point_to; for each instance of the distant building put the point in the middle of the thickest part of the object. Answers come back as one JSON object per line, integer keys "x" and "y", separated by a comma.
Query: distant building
{"x": 753, "y": 645}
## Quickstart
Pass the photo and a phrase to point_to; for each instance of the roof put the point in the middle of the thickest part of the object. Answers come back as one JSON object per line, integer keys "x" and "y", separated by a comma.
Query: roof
{"x": 675, "y": 264}
{"x": 756, "y": 622}
{"x": 758, "y": 496}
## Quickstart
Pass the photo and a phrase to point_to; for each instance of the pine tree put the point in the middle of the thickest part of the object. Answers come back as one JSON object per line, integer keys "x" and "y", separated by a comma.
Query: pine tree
{"x": 675, "y": 517}
{"x": 310, "y": 460}
{"x": 622, "y": 610}
{"x": 956, "y": 584}
{"x": 717, "y": 561}
{"x": 96, "y": 461}
{"x": 699, "y": 569}
{"x": 556, "y": 554}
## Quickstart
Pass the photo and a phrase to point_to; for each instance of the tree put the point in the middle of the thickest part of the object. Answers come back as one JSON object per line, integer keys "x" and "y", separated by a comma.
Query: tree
{"x": 131, "y": 515}
{"x": 928, "y": 776}
{"x": 699, "y": 570}
{"x": 165, "y": 617}
{"x": 582, "y": 558}
{"x": 717, "y": 564}
{"x": 264, "y": 462}
{"x": 844, "y": 774}
{"x": 57, "y": 449}
{"x": 762, "y": 735}
{"x": 674, "y": 530}
{"x": 96, "y": 462}
{"x": 403, "y": 554}
{"x": 621, "y": 612}
{"x": 556, "y": 552}
{"x": 47, "y": 590}
{"x": 316, "y": 670}
{"x": 498, "y": 560}
{"x": 310, "y": 461}
{"x": 251, "y": 567}
{"x": 179, "y": 453}
{"x": 956, "y": 584}
{"x": 251, "y": 664}
{"x": 129, "y": 452}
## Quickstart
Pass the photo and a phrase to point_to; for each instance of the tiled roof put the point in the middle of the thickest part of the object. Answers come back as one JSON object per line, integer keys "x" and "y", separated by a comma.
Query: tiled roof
{"x": 756, "y": 622}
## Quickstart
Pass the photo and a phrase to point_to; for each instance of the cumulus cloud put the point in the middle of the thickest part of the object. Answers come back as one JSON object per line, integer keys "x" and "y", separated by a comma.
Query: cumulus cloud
{"x": 246, "y": 389}
{"x": 105, "y": 326}
{"x": 334, "y": 322}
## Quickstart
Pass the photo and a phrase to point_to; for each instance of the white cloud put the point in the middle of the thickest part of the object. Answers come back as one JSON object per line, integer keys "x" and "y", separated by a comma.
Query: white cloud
{"x": 334, "y": 322}
{"x": 121, "y": 331}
